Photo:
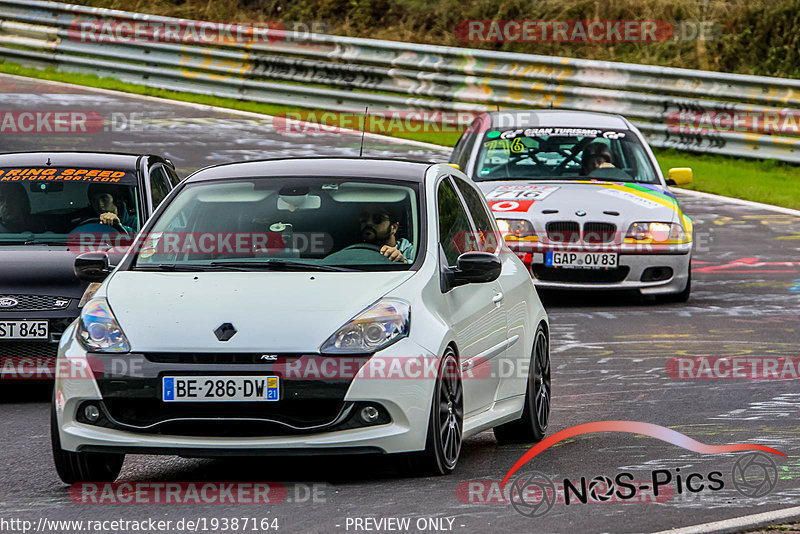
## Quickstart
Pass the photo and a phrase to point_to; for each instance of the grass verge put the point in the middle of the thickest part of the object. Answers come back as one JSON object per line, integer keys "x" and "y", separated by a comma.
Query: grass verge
{"x": 767, "y": 181}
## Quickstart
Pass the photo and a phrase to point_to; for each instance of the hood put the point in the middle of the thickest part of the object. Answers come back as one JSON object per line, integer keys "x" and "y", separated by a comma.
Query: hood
{"x": 39, "y": 270}
{"x": 271, "y": 311}
{"x": 633, "y": 202}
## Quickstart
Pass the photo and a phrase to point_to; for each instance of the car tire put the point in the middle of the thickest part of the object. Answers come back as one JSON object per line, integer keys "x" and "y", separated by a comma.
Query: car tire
{"x": 445, "y": 423}
{"x": 683, "y": 296}
{"x": 532, "y": 426}
{"x": 75, "y": 467}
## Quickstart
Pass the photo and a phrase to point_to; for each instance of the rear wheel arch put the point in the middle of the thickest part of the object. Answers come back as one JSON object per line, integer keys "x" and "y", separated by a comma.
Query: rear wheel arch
{"x": 546, "y": 327}
{"x": 543, "y": 323}
{"x": 452, "y": 345}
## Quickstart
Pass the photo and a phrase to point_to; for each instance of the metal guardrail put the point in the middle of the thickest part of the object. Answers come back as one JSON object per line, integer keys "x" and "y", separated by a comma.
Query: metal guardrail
{"x": 344, "y": 74}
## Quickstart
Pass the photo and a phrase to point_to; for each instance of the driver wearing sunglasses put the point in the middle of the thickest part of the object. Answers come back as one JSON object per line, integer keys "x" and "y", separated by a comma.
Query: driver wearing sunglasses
{"x": 379, "y": 227}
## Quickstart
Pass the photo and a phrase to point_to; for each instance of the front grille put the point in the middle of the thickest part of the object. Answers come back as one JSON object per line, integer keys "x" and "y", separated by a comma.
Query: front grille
{"x": 598, "y": 232}
{"x": 563, "y": 231}
{"x": 36, "y": 303}
{"x": 215, "y": 418}
{"x": 210, "y": 357}
{"x": 28, "y": 349}
{"x": 580, "y": 276}
{"x": 27, "y": 360}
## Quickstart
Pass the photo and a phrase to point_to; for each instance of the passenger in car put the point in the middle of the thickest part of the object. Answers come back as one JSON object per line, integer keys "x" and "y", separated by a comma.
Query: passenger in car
{"x": 379, "y": 225}
{"x": 15, "y": 210}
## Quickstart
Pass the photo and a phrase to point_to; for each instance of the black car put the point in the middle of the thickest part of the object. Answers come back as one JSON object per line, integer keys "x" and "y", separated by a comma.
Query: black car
{"x": 53, "y": 206}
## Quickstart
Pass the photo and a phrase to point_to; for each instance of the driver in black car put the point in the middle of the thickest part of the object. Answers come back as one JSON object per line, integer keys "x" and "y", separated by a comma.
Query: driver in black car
{"x": 15, "y": 210}
{"x": 107, "y": 203}
{"x": 379, "y": 227}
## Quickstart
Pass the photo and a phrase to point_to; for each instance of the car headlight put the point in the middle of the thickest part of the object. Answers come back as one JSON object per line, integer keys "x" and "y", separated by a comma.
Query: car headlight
{"x": 91, "y": 289}
{"x": 655, "y": 232}
{"x": 98, "y": 330}
{"x": 374, "y": 329}
{"x": 517, "y": 230}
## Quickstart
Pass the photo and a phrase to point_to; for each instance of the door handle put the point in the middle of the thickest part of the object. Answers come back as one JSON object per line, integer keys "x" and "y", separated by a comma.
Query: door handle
{"x": 497, "y": 298}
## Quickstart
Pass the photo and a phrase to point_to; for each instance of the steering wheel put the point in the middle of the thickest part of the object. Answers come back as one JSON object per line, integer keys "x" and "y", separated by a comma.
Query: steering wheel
{"x": 363, "y": 246}
{"x": 610, "y": 173}
{"x": 96, "y": 220}
{"x": 351, "y": 256}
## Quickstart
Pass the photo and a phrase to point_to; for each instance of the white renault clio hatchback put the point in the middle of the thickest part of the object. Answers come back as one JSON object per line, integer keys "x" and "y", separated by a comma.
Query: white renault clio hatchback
{"x": 304, "y": 306}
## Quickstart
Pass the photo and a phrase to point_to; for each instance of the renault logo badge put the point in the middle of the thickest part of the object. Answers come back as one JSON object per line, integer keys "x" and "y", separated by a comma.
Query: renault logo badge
{"x": 225, "y": 331}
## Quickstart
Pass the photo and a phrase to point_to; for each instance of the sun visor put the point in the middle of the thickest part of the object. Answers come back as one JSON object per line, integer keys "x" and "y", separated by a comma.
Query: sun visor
{"x": 361, "y": 192}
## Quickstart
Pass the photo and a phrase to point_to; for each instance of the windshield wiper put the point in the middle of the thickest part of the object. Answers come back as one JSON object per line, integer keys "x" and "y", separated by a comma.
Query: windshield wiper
{"x": 608, "y": 179}
{"x": 33, "y": 241}
{"x": 185, "y": 267}
{"x": 45, "y": 241}
{"x": 514, "y": 178}
{"x": 279, "y": 264}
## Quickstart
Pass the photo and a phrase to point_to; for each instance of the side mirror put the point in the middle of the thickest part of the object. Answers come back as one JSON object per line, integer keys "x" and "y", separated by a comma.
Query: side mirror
{"x": 679, "y": 176}
{"x": 92, "y": 267}
{"x": 476, "y": 268}
{"x": 454, "y": 165}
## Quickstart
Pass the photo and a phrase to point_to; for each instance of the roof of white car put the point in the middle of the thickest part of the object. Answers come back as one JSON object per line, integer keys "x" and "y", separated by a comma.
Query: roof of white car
{"x": 557, "y": 118}
{"x": 379, "y": 168}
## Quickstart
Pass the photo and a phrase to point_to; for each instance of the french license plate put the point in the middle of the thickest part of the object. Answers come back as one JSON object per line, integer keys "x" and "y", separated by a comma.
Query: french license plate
{"x": 219, "y": 388}
{"x": 581, "y": 260}
{"x": 24, "y": 330}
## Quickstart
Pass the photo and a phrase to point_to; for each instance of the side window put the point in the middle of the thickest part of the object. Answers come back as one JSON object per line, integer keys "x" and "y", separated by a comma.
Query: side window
{"x": 463, "y": 158}
{"x": 459, "y": 148}
{"x": 159, "y": 185}
{"x": 174, "y": 179}
{"x": 454, "y": 226}
{"x": 486, "y": 239}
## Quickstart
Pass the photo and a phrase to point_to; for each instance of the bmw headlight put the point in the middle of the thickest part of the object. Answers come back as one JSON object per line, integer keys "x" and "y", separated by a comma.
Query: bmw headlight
{"x": 374, "y": 329}
{"x": 516, "y": 230}
{"x": 98, "y": 330}
{"x": 656, "y": 232}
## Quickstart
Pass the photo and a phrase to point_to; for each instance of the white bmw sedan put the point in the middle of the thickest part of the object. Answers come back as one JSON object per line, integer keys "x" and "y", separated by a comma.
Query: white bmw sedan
{"x": 581, "y": 198}
{"x": 304, "y": 306}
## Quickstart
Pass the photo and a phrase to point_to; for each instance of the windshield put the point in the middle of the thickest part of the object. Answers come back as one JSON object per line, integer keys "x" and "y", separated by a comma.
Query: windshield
{"x": 285, "y": 224}
{"x": 563, "y": 154}
{"x": 54, "y": 204}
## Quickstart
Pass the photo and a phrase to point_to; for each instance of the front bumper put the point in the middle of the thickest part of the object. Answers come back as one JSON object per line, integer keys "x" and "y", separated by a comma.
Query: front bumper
{"x": 654, "y": 271}
{"x": 312, "y": 416}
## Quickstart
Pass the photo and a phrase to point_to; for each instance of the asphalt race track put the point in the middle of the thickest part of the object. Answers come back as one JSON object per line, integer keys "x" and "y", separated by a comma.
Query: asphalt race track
{"x": 610, "y": 356}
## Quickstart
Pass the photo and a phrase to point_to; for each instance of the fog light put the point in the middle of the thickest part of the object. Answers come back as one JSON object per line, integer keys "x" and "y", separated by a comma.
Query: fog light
{"x": 92, "y": 413}
{"x": 369, "y": 414}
